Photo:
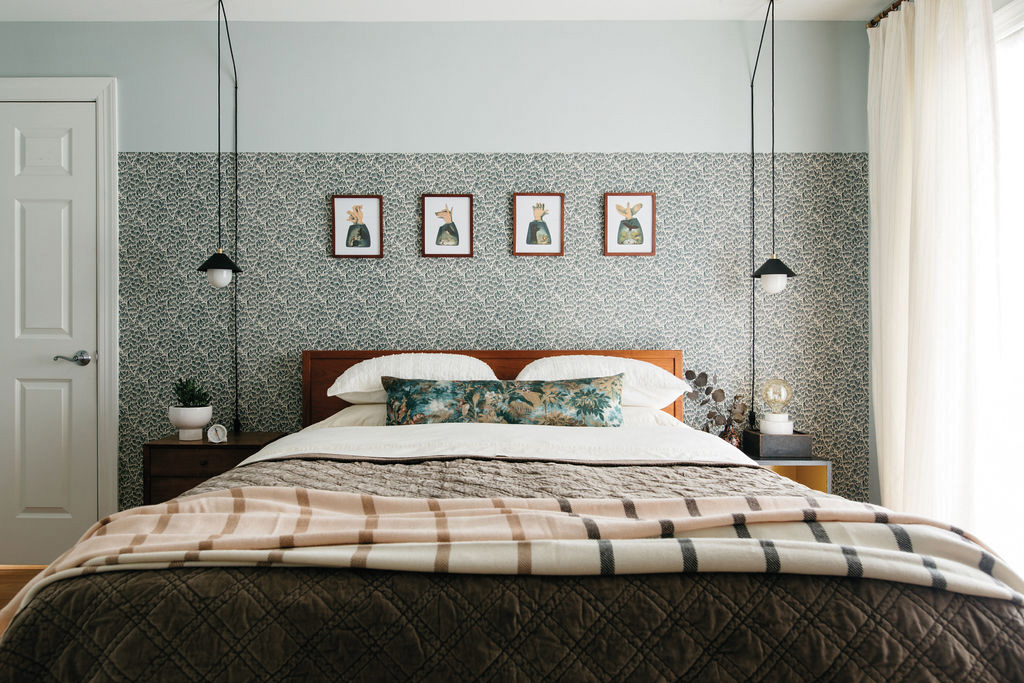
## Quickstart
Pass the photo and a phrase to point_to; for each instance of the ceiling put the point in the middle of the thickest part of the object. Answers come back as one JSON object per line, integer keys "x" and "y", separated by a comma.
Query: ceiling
{"x": 437, "y": 10}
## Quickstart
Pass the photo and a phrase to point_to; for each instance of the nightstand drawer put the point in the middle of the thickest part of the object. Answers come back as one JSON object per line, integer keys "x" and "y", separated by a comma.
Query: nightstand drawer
{"x": 171, "y": 466}
{"x": 164, "y": 488}
{"x": 190, "y": 462}
{"x": 817, "y": 477}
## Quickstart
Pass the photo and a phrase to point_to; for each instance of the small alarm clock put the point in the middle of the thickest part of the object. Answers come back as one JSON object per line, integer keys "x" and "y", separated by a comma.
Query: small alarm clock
{"x": 217, "y": 434}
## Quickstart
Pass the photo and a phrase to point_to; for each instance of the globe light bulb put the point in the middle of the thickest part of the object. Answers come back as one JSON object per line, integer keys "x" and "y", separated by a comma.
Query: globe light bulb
{"x": 773, "y": 284}
{"x": 777, "y": 393}
{"x": 219, "y": 277}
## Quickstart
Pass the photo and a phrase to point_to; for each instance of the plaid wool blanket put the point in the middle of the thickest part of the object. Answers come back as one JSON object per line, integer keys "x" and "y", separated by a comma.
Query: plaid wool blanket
{"x": 277, "y": 526}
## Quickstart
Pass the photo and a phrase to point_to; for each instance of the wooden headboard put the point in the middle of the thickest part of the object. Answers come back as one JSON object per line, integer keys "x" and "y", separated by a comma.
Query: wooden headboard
{"x": 321, "y": 368}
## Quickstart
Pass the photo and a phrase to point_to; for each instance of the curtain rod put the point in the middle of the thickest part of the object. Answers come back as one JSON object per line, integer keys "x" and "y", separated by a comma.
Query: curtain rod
{"x": 884, "y": 13}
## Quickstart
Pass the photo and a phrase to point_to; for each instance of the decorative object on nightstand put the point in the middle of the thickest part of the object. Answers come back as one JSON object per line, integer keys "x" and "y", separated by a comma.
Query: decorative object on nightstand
{"x": 217, "y": 434}
{"x": 730, "y": 416}
{"x": 777, "y": 393}
{"x": 759, "y": 445}
{"x": 193, "y": 410}
{"x": 170, "y": 467}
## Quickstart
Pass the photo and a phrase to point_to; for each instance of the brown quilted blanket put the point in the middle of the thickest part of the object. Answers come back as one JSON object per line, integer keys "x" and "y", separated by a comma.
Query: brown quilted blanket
{"x": 321, "y": 624}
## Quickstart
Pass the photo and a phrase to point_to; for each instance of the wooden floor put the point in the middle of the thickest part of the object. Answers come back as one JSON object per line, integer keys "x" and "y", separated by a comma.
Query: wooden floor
{"x": 13, "y": 577}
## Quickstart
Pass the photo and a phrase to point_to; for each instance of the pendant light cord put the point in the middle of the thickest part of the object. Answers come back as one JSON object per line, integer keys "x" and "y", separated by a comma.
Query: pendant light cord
{"x": 220, "y": 225}
{"x": 237, "y": 423}
{"x": 752, "y": 415}
{"x": 771, "y": 6}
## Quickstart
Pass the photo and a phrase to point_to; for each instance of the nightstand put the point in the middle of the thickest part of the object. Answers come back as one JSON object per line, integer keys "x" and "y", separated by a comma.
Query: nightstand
{"x": 171, "y": 466}
{"x": 790, "y": 456}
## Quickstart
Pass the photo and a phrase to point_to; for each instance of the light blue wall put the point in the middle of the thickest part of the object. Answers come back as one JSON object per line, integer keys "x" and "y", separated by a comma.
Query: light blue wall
{"x": 466, "y": 87}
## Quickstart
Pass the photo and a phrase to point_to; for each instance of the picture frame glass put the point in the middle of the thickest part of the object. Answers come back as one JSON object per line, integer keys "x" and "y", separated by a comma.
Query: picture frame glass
{"x": 358, "y": 225}
{"x": 447, "y": 225}
{"x": 539, "y": 224}
{"x": 629, "y": 223}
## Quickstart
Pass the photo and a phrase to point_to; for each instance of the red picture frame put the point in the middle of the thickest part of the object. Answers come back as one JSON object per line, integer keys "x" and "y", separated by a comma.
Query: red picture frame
{"x": 629, "y": 224}
{"x": 527, "y": 240}
{"x": 447, "y": 225}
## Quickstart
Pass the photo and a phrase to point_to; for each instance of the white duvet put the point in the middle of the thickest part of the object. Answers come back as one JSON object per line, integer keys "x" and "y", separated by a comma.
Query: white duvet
{"x": 632, "y": 444}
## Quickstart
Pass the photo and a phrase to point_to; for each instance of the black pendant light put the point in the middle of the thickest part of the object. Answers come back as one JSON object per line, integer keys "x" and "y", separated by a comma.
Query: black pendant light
{"x": 774, "y": 274}
{"x": 219, "y": 267}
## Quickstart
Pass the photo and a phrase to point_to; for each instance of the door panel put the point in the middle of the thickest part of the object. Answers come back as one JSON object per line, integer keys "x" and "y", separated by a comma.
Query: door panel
{"x": 43, "y": 454}
{"x": 42, "y": 253}
{"x": 48, "y": 451}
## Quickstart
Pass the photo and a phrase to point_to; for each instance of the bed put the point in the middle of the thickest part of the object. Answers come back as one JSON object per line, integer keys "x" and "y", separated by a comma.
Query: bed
{"x": 601, "y": 599}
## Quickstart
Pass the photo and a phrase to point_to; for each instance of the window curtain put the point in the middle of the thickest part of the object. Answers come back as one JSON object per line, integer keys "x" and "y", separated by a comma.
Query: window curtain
{"x": 944, "y": 420}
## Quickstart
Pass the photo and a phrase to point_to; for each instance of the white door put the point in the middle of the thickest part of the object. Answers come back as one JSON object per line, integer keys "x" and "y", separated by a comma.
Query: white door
{"x": 48, "y": 429}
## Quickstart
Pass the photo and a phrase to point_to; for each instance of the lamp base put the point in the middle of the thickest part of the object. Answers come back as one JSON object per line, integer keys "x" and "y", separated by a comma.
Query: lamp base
{"x": 775, "y": 423}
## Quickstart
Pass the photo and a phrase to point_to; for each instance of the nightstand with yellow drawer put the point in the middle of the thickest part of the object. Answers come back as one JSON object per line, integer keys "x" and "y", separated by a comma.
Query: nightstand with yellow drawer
{"x": 171, "y": 466}
{"x": 790, "y": 456}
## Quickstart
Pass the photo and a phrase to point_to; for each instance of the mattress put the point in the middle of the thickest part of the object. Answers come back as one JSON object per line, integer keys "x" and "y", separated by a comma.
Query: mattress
{"x": 318, "y": 623}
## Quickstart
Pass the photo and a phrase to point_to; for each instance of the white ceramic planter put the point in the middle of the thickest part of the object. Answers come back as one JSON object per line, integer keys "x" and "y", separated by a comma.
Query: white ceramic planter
{"x": 190, "y": 421}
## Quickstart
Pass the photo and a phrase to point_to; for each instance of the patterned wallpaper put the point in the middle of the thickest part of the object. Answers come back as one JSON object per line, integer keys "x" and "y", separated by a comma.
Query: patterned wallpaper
{"x": 694, "y": 294}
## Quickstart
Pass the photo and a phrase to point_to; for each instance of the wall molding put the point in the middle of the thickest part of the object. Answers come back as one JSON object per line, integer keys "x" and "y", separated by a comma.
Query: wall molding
{"x": 103, "y": 92}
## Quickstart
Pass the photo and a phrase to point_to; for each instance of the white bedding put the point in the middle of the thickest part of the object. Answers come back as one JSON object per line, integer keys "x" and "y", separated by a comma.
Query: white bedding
{"x": 639, "y": 444}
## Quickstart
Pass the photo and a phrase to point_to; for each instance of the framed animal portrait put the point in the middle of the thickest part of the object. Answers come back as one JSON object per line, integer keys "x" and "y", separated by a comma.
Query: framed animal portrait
{"x": 358, "y": 225}
{"x": 538, "y": 224}
{"x": 447, "y": 224}
{"x": 629, "y": 224}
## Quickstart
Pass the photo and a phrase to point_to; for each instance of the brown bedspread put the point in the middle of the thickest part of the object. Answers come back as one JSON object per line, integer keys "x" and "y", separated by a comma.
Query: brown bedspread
{"x": 318, "y": 624}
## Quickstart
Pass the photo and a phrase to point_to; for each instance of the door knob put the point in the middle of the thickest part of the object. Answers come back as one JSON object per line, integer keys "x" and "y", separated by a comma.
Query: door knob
{"x": 81, "y": 357}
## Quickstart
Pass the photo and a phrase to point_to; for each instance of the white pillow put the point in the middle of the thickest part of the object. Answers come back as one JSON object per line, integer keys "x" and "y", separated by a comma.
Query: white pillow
{"x": 361, "y": 382}
{"x": 644, "y": 384}
{"x": 364, "y": 415}
{"x": 635, "y": 416}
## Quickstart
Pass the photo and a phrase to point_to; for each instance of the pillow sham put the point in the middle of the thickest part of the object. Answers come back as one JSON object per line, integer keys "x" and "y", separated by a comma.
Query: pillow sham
{"x": 362, "y": 415}
{"x": 361, "y": 382}
{"x": 644, "y": 384}
{"x": 588, "y": 402}
{"x": 635, "y": 416}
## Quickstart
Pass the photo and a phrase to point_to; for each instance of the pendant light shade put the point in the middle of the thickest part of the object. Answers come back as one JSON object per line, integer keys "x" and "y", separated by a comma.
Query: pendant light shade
{"x": 774, "y": 275}
{"x": 219, "y": 269}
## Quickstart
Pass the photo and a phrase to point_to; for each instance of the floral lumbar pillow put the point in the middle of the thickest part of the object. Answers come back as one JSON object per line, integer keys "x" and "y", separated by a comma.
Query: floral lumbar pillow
{"x": 590, "y": 402}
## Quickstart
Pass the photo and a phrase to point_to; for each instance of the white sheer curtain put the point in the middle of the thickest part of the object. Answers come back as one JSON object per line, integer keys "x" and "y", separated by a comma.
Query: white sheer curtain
{"x": 944, "y": 422}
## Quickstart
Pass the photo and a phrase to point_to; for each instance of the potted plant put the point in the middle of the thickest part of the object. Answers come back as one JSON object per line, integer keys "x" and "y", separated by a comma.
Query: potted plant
{"x": 192, "y": 411}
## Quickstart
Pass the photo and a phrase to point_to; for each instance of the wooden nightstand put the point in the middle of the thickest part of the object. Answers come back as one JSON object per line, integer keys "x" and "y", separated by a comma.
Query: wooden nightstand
{"x": 171, "y": 466}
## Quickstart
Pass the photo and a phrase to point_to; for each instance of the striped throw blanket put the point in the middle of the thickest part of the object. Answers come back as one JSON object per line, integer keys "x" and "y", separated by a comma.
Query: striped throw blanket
{"x": 268, "y": 526}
